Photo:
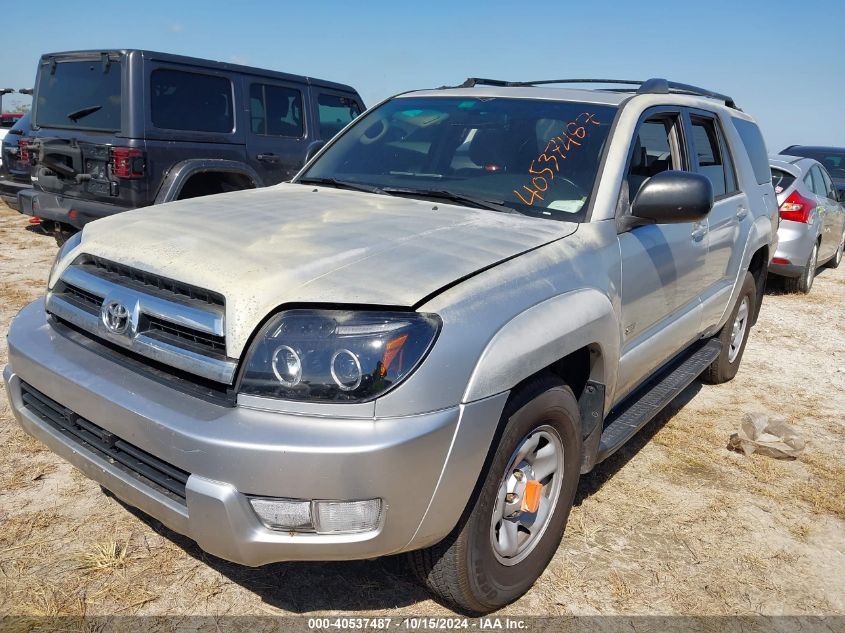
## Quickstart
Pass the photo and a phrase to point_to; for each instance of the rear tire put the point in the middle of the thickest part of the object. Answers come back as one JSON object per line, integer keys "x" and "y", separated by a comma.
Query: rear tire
{"x": 734, "y": 336}
{"x": 471, "y": 569}
{"x": 804, "y": 283}
{"x": 837, "y": 258}
{"x": 63, "y": 232}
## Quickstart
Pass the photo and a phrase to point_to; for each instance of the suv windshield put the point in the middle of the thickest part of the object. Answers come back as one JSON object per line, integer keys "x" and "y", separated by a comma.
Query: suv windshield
{"x": 536, "y": 157}
{"x": 79, "y": 95}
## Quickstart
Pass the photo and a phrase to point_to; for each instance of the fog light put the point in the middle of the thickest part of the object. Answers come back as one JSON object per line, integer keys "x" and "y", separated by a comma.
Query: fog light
{"x": 346, "y": 516}
{"x": 284, "y": 514}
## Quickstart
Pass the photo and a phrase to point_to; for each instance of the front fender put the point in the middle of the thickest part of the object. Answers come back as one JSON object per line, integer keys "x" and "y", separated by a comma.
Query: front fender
{"x": 179, "y": 174}
{"x": 543, "y": 334}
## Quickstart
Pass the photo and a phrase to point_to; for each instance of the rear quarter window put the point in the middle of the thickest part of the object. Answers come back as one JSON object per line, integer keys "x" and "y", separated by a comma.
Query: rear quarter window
{"x": 781, "y": 180}
{"x": 756, "y": 148}
{"x": 191, "y": 101}
{"x": 335, "y": 113}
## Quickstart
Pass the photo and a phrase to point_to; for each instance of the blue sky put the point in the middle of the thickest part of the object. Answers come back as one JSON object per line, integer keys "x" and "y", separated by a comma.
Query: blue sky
{"x": 783, "y": 62}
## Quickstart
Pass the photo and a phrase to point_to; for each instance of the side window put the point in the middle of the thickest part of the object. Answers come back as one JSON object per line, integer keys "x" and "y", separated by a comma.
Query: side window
{"x": 818, "y": 182}
{"x": 781, "y": 180}
{"x": 190, "y": 101}
{"x": 652, "y": 152}
{"x": 275, "y": 110}
{"x": 710, "y": 150}
{"x": 830, "y": 190}
{"x": 808, "y": 180}
{"x": 335, "y": 113}
{"x": 756, "y": 148}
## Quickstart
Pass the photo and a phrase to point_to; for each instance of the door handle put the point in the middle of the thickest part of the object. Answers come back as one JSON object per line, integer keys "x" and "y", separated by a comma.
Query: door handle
{"x": 741, "y": 212}
{"x": 699, "y": 232}
{"x": 269, "y": 157}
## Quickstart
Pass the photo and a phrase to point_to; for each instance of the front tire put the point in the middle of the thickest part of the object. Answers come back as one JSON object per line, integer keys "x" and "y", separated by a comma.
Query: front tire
{"x": 734, "y": 336}
{"x": 503, "y": 542}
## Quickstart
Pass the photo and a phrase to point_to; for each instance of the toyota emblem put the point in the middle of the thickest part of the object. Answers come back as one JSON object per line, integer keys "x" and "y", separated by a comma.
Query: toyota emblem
{"x": 115, "y": 317}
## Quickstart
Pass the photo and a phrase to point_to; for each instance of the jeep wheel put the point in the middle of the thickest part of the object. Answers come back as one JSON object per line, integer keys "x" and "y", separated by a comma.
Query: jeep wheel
{"x": 734, "y": 336}
{"x": 514, "y": 522}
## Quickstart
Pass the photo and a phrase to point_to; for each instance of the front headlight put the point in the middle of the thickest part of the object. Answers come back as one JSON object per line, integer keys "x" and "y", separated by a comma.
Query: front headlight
{"x": 71, "y": 243}
{"x": 336, "y": 355}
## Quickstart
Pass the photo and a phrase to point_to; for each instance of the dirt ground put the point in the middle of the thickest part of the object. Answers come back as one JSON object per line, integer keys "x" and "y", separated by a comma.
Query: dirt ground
{"x": 673, "y": 524}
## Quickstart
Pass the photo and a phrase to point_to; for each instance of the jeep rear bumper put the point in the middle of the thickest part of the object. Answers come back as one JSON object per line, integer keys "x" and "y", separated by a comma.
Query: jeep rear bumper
{"x": 9, "y": 190}
{"x": 73, "y": 211}
{"x": 231, "y": 453}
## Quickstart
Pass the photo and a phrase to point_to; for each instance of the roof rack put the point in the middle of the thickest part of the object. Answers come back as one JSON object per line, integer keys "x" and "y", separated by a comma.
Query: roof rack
{"x": 650, "y": 86}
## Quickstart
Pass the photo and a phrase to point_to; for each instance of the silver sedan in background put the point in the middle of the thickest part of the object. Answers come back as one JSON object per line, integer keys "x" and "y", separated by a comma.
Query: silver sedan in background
{"x": 812, "y": 221}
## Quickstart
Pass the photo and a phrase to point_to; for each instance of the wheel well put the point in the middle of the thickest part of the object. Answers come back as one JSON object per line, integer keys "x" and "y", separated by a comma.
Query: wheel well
{"x": 575, "y": 369}
{"x": 759, "y": 268}
{"x": 210, "y": 182}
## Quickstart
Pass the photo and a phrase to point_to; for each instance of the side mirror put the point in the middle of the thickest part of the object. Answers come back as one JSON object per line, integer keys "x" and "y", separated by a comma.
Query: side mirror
{"x": 672, "y": 197}
{"x": 313, "y": 149}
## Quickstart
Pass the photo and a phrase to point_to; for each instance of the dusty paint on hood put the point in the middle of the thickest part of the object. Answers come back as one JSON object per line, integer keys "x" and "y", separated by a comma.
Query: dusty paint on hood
{"x": 295, "y": 243}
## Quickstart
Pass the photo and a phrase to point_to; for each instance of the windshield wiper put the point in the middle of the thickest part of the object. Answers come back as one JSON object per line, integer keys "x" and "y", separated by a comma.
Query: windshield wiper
{"x": 341, "y": 184}
{"x": 452, "y": 196}
{"x": 83, "y": 112}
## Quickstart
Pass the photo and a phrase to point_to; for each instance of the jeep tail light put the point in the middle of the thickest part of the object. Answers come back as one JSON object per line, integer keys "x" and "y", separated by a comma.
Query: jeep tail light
{"x": 796, "y": 208}
{"x": 23, "y": 150}
{"x": 127, "y": 162}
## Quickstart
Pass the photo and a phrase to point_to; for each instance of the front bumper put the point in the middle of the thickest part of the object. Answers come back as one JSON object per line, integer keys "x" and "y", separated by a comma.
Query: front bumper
{"x": 795, "y": 244}
{"x": 233, "y": 452}
{"x": 52, "y": 206}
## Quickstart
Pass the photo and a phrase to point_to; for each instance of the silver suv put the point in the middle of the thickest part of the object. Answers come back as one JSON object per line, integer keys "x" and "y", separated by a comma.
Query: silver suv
{"x": 466, "y": 300}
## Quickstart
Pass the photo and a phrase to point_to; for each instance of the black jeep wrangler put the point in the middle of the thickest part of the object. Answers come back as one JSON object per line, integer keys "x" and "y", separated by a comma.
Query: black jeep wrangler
{"x": 121, "y": 129}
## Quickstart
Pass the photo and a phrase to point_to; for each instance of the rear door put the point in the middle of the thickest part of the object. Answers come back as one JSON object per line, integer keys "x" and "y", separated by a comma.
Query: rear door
{"x": 833, "y": 218}
{"x": 729, "y": 221}
{"x": 662, "y": 264}
{"x": 278, "y": 133}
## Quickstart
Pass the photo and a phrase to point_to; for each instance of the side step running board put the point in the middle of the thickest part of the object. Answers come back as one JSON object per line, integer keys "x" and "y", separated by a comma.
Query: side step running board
{"x": 633, "y": 414}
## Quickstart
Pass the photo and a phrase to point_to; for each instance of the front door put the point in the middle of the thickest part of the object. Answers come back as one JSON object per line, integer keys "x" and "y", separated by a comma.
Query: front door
{"x": 729, "y": 221}
{"x": 662, "y": 264}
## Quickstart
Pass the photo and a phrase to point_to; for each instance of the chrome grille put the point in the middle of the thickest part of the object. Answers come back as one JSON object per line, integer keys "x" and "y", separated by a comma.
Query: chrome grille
{"x": 147, "y": 282}
{"x": 171, "y": 323}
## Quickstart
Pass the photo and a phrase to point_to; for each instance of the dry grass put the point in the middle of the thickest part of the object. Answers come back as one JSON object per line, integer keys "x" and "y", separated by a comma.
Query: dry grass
{"x": 17, "y": 293}
{"x": 108, "y": 555}
{"x": 824, "y": 490}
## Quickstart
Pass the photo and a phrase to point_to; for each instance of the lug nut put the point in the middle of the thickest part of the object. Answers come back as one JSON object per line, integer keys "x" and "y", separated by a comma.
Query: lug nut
{"x": 510, "y": 497}
{"x": 518, "y": 474}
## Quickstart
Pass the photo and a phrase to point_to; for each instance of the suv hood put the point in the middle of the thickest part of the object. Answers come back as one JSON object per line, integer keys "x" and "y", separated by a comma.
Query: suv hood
{"x": 304, "y": 244}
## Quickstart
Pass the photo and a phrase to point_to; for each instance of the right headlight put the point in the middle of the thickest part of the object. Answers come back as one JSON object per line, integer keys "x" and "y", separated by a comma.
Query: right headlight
{"x": 336, "y": 355}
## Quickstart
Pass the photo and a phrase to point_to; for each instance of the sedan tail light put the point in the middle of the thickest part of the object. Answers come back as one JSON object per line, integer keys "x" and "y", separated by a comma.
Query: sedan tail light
{"x": 127, "y": 162}
{"x": 796, "y": 208}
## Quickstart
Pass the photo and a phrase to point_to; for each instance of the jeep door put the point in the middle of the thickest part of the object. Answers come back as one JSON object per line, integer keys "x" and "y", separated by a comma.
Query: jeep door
{"x": 729, "y": 221}
{"x": 278, "y": 133}
{"x": 662, "y": 264}
{"x": 191, "y": 115}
